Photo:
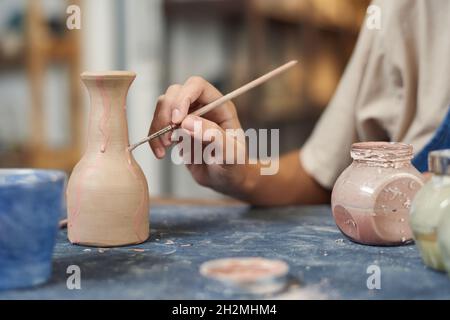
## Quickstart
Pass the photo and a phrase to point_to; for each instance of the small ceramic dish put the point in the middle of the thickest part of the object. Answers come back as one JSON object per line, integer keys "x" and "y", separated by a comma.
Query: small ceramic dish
{"x": 248, "y": 274}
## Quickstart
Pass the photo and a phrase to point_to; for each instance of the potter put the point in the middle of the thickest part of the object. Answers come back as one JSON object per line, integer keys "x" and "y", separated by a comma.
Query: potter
{"x": 392, "y": 90}
{"x": 107, "y": 193}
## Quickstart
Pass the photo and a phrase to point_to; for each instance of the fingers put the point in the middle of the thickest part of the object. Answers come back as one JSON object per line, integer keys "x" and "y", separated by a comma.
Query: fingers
{"x": 174, "y": 106}
{"x": 197, "y": 90}
{"x": 162, "y": 118}
{"x": 211, "y": 136}
{"x": 156, "y": 144}
{"x": 202, "y": 129}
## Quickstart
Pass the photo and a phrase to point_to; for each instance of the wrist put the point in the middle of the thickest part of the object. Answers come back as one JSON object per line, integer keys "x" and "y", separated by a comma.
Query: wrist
{"x": 250, "y": 179}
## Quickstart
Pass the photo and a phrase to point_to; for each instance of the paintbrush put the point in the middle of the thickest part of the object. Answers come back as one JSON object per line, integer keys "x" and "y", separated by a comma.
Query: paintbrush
{"x": 219, "y": 101}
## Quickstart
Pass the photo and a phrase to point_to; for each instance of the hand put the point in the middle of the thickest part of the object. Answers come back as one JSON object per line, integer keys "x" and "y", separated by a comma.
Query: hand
{"x": 174, "y": 106}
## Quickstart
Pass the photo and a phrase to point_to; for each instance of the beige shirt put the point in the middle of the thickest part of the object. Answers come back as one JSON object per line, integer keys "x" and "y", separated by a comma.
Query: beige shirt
{"x": 396, "y": 87}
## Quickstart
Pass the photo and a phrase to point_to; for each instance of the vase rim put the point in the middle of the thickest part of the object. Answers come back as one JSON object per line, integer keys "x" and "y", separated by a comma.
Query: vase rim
{"x": 113, "y": 74}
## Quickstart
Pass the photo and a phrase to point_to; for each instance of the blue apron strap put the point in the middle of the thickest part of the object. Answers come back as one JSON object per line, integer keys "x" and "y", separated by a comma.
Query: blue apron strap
{"x": 440, "y": 140}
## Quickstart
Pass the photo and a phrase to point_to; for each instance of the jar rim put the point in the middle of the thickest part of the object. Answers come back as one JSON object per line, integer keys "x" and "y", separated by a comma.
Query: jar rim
{"x": 382, "y": 146}
{"x": 381, "y": 151}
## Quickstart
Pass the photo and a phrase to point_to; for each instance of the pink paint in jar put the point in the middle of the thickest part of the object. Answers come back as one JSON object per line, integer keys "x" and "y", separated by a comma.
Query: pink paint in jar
{"x": 371, "y": 199}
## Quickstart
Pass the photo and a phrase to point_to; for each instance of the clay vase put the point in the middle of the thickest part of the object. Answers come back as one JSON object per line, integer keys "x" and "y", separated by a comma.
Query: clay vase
{"x": 107, "y": 193}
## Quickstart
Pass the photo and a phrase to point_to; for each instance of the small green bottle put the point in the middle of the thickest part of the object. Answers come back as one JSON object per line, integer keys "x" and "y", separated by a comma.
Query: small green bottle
{"x": 431, "y": 203}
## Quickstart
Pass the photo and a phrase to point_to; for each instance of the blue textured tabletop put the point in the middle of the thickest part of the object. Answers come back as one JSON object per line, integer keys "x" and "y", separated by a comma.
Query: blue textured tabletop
{"x": 322, "y": 262}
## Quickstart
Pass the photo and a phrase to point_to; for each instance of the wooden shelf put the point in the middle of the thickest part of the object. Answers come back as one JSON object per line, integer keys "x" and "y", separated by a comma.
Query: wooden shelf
{"x": 12, "y": 62}
{"x": 330, "y": 15}
{"x": 197, "y": 7}
{"x": 41, "y": 48}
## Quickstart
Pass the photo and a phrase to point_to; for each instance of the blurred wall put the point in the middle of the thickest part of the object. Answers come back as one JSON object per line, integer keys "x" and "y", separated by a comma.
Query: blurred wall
{"x": 143, "y": 53}
{"x": 14, "y": 86}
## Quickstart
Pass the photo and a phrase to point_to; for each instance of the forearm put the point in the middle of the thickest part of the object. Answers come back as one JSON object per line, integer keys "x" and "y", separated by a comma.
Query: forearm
{"x": 290, "y": 185}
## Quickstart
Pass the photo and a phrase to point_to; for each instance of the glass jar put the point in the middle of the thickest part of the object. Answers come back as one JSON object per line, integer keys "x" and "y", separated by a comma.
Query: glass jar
{"x": 443, "y": 232}
{"x": 431, "y": 202}
{"x": 371, "y": 199}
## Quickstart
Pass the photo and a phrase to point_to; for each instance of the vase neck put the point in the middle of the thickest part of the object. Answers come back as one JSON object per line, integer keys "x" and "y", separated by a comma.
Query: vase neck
{"x": 108, "y": 130}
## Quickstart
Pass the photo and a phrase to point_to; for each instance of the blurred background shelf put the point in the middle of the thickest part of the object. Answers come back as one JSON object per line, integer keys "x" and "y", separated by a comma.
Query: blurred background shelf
{"x": 321, "y": 35}
{"x": 325, "y": 15}
{"x": 36, "y": 42}
{"x": 45, "y": 47}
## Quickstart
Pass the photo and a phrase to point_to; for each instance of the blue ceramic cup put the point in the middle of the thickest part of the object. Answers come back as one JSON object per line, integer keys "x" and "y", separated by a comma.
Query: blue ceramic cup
{"x": 31, "y": 203}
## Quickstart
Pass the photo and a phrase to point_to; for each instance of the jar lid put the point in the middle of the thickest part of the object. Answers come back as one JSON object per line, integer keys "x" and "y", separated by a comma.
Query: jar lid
{"x": 439, "y": 162}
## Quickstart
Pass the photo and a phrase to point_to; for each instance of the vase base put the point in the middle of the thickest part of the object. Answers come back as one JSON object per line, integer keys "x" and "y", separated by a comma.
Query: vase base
{"x": 107, "y": 244}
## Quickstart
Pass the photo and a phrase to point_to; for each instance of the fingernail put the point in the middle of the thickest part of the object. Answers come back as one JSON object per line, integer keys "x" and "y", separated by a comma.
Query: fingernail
{"x": 188, "y": 123}
{"x": 176, "y": 115}
{"x": 160, "y": 152}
